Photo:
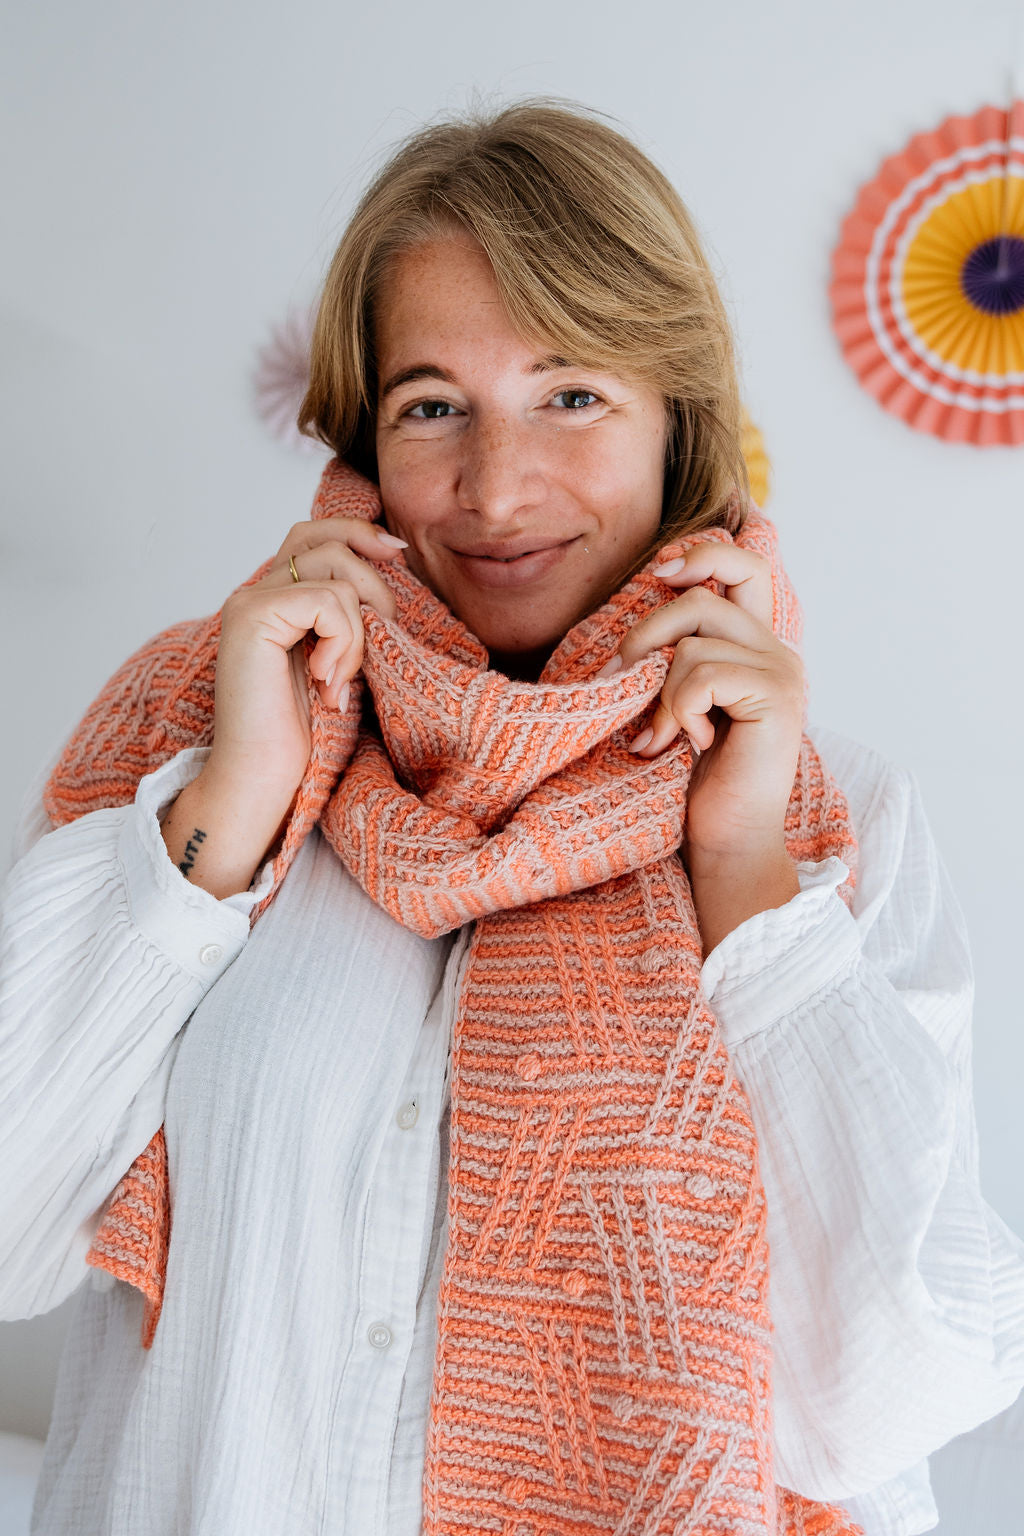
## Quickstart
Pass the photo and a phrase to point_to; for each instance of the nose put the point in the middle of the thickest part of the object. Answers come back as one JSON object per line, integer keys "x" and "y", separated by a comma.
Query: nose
{"x": 497, "y": 473}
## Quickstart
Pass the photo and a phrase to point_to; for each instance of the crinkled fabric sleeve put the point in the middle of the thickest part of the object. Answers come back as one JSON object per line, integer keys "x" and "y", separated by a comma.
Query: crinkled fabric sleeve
{"x": 105, "y": 951}
{"x": 897, "y": 1293}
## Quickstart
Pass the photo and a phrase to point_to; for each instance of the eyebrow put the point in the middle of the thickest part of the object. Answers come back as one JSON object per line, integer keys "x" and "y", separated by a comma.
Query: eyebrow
{"x": 432, "y": 371}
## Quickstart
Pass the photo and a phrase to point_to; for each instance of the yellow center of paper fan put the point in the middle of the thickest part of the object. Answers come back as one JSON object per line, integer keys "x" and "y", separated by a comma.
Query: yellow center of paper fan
{"x": 934, "y": 302}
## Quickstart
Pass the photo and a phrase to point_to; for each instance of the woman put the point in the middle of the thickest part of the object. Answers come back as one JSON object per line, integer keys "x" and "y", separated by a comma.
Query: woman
{"x": 552, "y": 855}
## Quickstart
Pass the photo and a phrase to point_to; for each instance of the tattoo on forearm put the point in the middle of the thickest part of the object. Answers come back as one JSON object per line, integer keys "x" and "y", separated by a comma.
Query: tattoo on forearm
{"x": 191, "y": 849}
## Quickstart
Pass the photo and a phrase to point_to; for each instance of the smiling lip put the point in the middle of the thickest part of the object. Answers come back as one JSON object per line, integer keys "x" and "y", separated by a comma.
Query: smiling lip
{"x": 508, "y": 566}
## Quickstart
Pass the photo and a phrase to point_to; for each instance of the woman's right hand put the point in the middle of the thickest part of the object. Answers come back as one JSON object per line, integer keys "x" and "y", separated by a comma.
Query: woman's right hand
{"x": 261, "y": 732}
{"x": 261, "y": 720}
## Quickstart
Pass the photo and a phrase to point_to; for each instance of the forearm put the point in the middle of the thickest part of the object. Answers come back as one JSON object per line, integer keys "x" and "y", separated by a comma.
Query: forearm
{"x": 729, "y": 889}
{"x": 219, "y": 837}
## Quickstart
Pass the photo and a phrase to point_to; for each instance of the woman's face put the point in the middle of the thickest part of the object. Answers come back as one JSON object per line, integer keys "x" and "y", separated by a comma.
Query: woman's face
{"x": 522, "y": 482}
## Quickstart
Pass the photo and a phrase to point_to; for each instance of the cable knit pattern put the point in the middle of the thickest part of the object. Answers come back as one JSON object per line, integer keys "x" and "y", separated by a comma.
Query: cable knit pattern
{"x": 603, "y": 1358}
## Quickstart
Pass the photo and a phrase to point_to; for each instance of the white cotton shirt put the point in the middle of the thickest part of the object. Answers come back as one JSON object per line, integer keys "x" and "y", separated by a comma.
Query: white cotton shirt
{"x": 306, "y": 1113}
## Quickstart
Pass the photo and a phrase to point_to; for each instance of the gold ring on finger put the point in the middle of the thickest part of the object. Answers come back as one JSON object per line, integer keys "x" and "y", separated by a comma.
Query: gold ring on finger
{"x": 291, "y": 567}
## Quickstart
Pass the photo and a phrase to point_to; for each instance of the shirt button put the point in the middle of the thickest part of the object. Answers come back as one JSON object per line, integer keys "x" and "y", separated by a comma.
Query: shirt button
{"x": 210, "y": 954}
{"x": 408, "y": 1115}
{"x": 380, "y": 1335}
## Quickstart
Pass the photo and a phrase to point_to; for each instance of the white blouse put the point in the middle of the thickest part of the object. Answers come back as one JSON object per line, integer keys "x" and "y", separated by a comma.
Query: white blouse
{"x": 306, "y": 1115}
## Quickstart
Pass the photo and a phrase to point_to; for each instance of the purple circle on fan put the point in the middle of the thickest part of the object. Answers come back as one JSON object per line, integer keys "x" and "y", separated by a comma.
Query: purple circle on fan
{"x": 992, "y": 277}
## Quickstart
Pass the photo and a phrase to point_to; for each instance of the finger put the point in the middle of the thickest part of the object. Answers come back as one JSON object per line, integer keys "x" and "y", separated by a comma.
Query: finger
{"x": 364, "y": 541}
{"x": 732, "y": 680}
{"x": 333, "y": 560}
{"x": 338, "y": 653}
{"x": 285, "y": 615}
{"x": 699, "y": 612}
{"x": 369, "y": 539}
{"x": 745, "y": 574}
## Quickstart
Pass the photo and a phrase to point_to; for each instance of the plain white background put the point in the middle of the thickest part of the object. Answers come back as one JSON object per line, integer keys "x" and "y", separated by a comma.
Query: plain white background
{"x": 175, "y": 180}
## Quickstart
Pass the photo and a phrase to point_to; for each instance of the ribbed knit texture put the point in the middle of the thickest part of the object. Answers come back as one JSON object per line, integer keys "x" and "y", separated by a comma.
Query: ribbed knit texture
{"x": 603, "y": 1355}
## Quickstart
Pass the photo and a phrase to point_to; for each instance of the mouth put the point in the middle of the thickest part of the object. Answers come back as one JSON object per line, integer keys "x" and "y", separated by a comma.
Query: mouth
{"x": 510, "y": 549}
{"x": 511, "y": 564}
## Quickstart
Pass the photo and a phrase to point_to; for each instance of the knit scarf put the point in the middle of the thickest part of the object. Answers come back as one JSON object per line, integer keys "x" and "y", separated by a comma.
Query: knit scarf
{"x": 603, "y": 1360}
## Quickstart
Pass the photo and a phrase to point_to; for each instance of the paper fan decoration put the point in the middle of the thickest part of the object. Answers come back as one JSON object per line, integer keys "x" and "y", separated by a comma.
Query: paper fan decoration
{"x": 758, "y": 463}
{"x": 927, "y": 282}
{"x": 281, "y": 377}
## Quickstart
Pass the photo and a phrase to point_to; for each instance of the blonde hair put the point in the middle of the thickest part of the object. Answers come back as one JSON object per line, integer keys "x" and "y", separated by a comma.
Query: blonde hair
{"x": 594, "y": 253}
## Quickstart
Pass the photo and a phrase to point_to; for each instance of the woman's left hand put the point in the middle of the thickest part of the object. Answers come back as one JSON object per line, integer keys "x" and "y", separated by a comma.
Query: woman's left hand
{"x": 727, "y": 660}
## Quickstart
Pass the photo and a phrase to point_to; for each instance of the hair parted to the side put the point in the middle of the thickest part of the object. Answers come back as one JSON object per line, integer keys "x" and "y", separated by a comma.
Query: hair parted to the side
{"x": 594, "y": 254}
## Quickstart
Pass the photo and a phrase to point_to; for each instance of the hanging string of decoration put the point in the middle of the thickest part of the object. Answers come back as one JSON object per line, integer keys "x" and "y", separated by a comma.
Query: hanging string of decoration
{"x": 927, "y": 286}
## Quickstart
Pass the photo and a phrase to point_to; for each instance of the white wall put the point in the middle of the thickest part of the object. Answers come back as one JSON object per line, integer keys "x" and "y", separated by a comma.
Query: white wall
{"x": 177, "y": 177}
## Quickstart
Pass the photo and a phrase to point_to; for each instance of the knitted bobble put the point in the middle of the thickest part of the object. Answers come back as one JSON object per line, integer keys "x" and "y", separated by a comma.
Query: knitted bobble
{"x": 654, "y": 959}
{"x": 516, "y": 1489}
{"x": 700, "y": 1186}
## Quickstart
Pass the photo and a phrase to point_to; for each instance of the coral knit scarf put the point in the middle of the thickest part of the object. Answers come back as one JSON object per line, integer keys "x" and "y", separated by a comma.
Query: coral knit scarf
{"x": 604, "y": 1351}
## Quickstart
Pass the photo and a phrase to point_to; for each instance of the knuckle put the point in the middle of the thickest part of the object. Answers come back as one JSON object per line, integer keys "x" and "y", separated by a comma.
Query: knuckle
{"x": 356, "y": 645}
{"x": 237, "y": 602}
{"x": 348, "y": 598}
{"x": 792, "y": 665}
{"x": 338, "y": 530}
{"x": 688, "y": 651}
{"x": 347, "y": 593}
{"x": 697, "y": 597}
{"x": 337, "y": 549}
{"x": 704, "y": 671}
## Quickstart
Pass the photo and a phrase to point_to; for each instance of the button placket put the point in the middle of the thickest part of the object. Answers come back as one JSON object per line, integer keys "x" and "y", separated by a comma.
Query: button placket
{"x": 395, "y": 1238}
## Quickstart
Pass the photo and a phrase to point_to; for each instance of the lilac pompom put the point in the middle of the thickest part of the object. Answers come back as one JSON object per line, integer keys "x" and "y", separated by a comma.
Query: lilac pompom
{"x": 281, "y": 378}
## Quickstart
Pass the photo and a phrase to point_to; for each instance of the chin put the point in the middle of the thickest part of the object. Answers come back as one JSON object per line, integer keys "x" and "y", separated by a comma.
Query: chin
{"x": 509, "y": 642}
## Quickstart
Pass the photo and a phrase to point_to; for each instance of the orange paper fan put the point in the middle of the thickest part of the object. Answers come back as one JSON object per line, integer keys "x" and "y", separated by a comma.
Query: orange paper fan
{"x": 927, "y": 282}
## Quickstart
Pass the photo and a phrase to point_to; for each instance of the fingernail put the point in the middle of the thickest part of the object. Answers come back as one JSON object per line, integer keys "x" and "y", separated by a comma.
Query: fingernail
{"x": 693, "y": 745}
{"x": 327, "y": 679}
{"x": 389, "y": 538}
{"x": 343, "y": 697}
{"x": 643, "y": 740}
{"x": 610, "y": 667}
{"x": 671, "y": 569}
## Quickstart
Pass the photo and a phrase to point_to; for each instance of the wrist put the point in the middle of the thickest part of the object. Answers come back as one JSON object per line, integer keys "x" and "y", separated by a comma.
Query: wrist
{"x": 218, "y": 832}
{"x": 730, "y": 886}
{"x": 756, "y": 852}
{"x": 243, "y": 795}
